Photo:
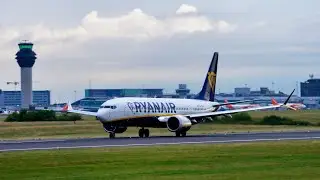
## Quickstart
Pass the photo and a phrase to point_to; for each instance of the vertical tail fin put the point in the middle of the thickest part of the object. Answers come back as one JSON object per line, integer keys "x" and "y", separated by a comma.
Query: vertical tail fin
{"x": 67, "y": 107}
{"x": 209, "y": 86}
{"x": 274, "y": 102}
{"x": 229, "y": 106}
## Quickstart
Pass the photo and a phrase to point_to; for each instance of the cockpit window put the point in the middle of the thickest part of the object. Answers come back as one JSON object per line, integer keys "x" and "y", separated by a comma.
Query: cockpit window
{"x": 108, "y": 107}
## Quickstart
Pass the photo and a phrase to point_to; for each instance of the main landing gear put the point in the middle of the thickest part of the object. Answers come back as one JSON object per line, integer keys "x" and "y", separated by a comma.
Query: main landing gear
{"x": 112, "y": 135}
{"x": 144, "y": 132}
{"x": 181, "y": 133}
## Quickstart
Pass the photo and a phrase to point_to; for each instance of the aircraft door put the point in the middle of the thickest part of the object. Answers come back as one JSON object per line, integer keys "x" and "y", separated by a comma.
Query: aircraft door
{"x": 129, "y": 109}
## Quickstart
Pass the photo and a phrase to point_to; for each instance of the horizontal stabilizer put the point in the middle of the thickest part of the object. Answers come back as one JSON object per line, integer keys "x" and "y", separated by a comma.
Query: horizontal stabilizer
{"x": 68, "y": 108}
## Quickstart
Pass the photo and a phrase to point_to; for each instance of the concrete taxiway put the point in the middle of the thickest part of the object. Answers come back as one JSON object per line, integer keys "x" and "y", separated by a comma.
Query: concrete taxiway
{"x": 163, "y": 140}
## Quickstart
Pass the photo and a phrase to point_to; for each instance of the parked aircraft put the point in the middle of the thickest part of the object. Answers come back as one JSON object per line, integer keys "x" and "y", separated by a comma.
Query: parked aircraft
{"x": 292, "y": 106}
{"x": 177, "y": 115}
{"x": 240, "y": 106}
{"x": 4, "y": 111}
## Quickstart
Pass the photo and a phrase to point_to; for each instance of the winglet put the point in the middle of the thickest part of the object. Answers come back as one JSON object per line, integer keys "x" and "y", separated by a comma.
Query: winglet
{"x": 65, "y": 108}
{"x": 285, "y": 103}
{"x": 274, "y": 102}
{"x": 69, "y": 106}
{"x": 287, "y": 100}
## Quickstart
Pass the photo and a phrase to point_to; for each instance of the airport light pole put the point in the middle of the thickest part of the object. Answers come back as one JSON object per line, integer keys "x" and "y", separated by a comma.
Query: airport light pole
{"x": 15, "y": 83}
{"x": 75, "y": 95}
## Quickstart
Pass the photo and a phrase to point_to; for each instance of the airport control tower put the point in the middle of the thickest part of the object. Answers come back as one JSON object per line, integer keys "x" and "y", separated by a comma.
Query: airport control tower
{"x": 26, "y": 59}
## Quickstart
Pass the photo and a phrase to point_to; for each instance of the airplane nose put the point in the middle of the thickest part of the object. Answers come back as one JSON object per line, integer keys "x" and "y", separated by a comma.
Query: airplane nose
{"x": 101, "y": 115}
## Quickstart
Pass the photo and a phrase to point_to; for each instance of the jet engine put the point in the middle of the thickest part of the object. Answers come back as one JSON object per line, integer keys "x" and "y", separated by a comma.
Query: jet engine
{"x": 178, "y": 123}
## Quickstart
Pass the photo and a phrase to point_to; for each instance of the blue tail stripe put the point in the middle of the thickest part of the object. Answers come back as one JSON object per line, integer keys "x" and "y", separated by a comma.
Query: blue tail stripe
{"x": 209, "y": 86}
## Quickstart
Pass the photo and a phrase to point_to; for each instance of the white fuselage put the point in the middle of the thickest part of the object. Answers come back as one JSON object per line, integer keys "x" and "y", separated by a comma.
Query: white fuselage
{"x": 296, "y": 105}
{"x": 4, "y": 112}
{"x": 134, "y": 107}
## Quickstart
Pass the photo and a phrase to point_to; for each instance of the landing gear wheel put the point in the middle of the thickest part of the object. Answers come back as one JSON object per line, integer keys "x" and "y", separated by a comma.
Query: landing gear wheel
{"x": 112, "y": 135}
{"x": 146, "y": 133}
{"x": 141, "y": 133}
{"x": 183, "y": 134}
{"x": 177, "y": 134}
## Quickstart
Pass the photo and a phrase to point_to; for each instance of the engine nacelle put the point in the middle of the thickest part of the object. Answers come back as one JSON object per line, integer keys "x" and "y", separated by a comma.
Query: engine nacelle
{"x": 178, "y": 123}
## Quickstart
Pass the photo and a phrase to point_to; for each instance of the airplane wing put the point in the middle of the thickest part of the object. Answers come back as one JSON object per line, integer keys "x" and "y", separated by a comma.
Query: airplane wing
{"x": 68, "y": 108}
{"x": 217, "y": 113}
{"x": 229, "y": 103}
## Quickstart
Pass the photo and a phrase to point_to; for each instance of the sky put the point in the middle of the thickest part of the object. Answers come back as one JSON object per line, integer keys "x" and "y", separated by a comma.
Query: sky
{"x": 159, "y": 44}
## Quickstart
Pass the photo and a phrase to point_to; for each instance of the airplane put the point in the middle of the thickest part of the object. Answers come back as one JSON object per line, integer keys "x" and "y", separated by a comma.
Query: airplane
{"x": 292, "y": 106}
{"x": 4, "y": 112}
{"x": 240, "y": 106}
{"x": 177, "y": 115}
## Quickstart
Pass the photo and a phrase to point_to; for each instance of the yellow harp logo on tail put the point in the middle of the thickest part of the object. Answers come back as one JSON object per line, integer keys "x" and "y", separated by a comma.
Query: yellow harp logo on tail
{"x": 212, "y": 80}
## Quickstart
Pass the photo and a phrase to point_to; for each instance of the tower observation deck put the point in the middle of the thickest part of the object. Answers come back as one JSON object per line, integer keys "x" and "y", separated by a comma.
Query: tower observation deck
{"x": 26, "y": 58}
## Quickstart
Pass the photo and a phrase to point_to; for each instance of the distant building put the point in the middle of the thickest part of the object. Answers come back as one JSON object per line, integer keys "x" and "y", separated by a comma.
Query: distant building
{"x": 89, "y": 104}
{"x": 13, "y": 98}
{"x": 264, "y": 91}
{"x": 182, "y": 91}
{"x": 242, "y": 91}
{"x": 110, "y": 93}
{"x": 1, "y": 99}
{"x": 310, "y": 88}
{"x": 41, "y": 98}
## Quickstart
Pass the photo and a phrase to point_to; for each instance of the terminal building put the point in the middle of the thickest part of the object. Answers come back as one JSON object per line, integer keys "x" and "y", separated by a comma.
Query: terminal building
{"x": 310, "y": 88}
{"x": 110, "y": 93}
{"x": 13, "y": 98}
{"x": 183, "y": 91}
{"x": 95, "y": 97}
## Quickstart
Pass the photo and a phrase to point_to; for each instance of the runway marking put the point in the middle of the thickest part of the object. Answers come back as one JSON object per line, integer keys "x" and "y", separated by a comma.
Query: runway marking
{"x": 204, "y": 135}
{"x": 152, "y": 144}
{"x": 34, "y": 141}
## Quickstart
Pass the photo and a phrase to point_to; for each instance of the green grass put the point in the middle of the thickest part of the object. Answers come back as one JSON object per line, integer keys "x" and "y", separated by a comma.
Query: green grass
{"x": 263, "y": 161}
{"x": 43, "y": 130}
{"x": 2, "y": 117}
{"x": 312, "y": 116}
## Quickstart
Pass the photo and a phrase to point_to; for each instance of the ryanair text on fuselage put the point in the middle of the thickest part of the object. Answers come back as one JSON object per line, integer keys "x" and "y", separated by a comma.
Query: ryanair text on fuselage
{"x": 154, "y": 107}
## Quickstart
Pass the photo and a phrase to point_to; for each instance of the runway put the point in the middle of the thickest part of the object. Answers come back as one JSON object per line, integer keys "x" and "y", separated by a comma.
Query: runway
{"x": 160, "y": 140}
